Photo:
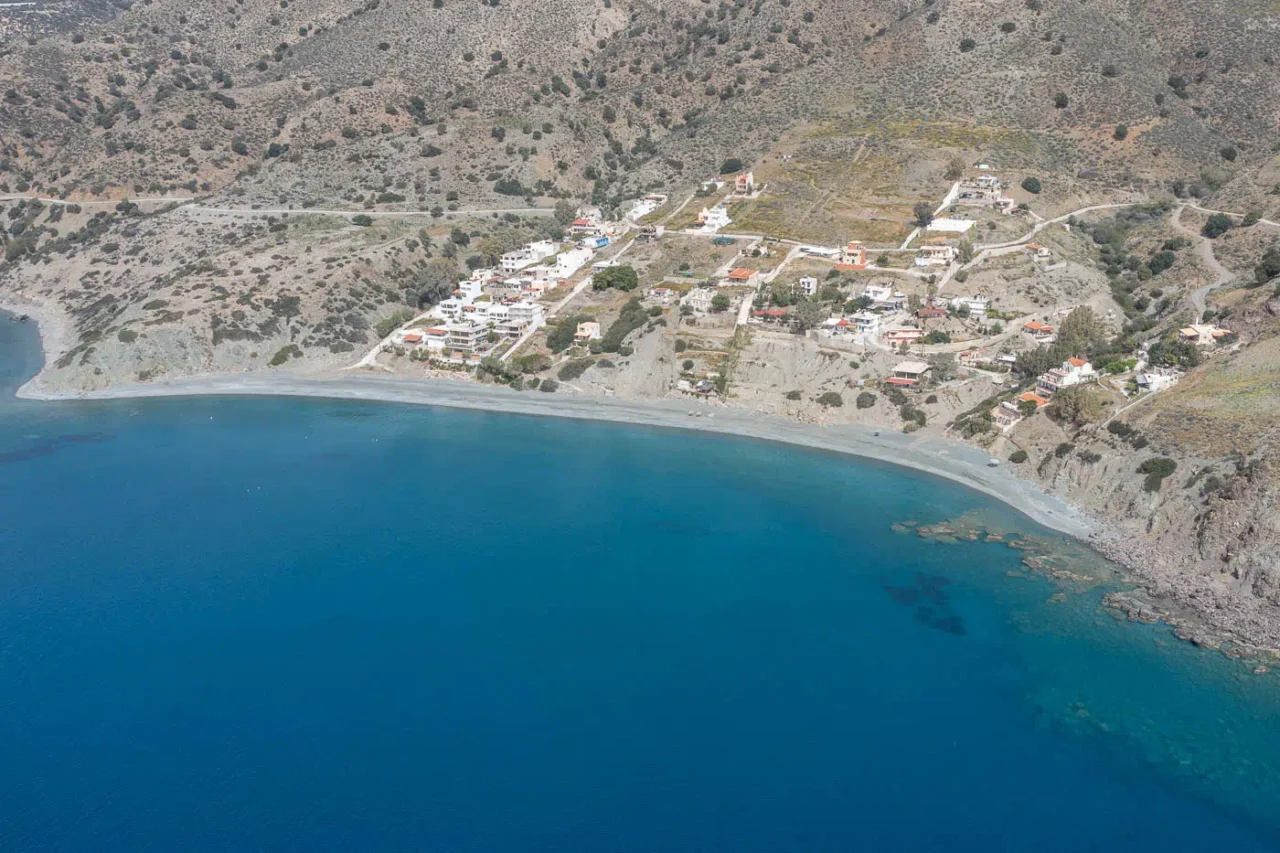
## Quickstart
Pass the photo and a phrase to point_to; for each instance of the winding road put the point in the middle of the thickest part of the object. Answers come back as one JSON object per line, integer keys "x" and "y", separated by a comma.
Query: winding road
{"x": 1199, "y": 295}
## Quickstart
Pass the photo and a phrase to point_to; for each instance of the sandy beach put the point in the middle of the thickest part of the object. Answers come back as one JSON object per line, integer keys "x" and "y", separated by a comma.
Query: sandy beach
{"x": 954, "y": 461}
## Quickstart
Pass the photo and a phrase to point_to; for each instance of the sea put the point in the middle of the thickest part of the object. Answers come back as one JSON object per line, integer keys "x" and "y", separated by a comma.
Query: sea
{"x": 252, "y": 624}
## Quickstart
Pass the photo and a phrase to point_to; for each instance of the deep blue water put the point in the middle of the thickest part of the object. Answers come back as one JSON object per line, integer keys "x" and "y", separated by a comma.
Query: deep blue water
{"x": 235, "y": 625}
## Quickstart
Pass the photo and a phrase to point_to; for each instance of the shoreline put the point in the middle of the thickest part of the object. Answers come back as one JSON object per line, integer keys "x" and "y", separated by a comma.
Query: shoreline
{"x": 954, "y": 461}
{"x": 959, "y": 463}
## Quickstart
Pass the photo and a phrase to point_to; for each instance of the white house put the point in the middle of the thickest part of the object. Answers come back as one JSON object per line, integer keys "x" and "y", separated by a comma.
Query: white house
{"x": 931, "y": 256}
{"x": 699, "y": 299}
{"x": 1006, "y": 415}
{"x": 1156, "y": 380}
{"x": 466, "y": 335}
{"x": 883, "y": 296}
{"x": 808, "y": 285}
{"x": 713, "y": 218}
{"x": 561, "y": 266}
{"x": 977, "y": 305}
{"x": 908, "y": 373}
{"x": 587, "y": 331}
{"x": 866, "y": 323}
{"x": 663, "y": 295}
{"x": 642, "y": 207}
{"x": 1072, "y": 372}
{"x": 518, "y": 317}
{"x": 530, "y": 253}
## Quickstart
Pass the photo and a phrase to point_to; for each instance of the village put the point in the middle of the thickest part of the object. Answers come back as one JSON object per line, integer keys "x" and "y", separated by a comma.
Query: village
{"x": 935, "y": 312}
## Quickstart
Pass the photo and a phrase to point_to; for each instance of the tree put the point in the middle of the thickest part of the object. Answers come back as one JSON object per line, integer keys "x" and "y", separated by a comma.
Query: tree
{"x": 1018, "y": 457}
{"x": 924, "y": 213}
{"x": 1228, "y": 153}
{"x": 1032, "y": 185}
{"x": 720, "y": 303}
{"x": 1081, "y": 331}
{"x": 1077, "y": 404}
{"x": 865, "y": 400}
{"x": 1217, "y": 225}
{"x": 362, "y": 220}
{"x": 1122, "y": 130}
{"x": 434, "y": 281}
{"x": 566, "y": 211}
{"x": 459, "y": 237}
{"x": 731, "y": 165}
{"x": 1027, "y": 408}
{"x": 1174, "y": 352}
{"x": 808, "y": 315}
{"x": 966, "y": 250}
{"x": 620, "y": 278}
{"x": 967, "y": 45}
{"x": 955, "y": 169}
{"x": 1269, "y": 266}
{"x": 1060, "y": 100}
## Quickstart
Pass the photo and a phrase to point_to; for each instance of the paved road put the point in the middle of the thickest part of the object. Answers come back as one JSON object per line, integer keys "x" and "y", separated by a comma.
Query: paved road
{"x": 374, "y": 214}
{"x": 112, "y": 203}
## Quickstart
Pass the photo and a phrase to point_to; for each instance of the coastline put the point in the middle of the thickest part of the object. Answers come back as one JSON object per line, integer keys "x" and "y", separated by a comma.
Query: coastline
{"x": 953, "y": 461}
{"x": 1151, "y": 600}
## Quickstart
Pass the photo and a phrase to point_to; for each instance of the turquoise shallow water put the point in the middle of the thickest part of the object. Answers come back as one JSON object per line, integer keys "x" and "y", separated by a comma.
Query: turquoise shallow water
{"x": 278, "y": 624}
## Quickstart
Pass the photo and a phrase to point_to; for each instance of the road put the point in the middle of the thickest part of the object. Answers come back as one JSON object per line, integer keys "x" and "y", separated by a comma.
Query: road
{"x": 112, "y": 202}
{"x": 280, "y": 211}
{"x": 373, "y": 214}
{"x": 1199, "y": 295}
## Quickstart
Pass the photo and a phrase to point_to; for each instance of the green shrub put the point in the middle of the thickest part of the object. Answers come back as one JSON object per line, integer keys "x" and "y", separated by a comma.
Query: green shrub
{"x": 574, "y": 369}
{"x": 1156, "y": 468}
{"x": 548, "y": 385}
{"x": 1032, "y": 185}
{"x": 831, "y": 398}
{"x": 865, "y": 400}
{"x": 1018, "y": 457}
{"x": 285, "y": 353}
{"x": 1063, "y": 449}
{"x": 387, "y": 325}
{"x": 1217, "y": 225}
{"x": 560, "y": 335}
{"x": 362, "y": 220}
{"x": 793, "y": 395}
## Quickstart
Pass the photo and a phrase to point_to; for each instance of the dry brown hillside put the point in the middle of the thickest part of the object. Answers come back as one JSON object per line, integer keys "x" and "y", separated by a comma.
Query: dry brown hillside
{"x": 328, "y": 100}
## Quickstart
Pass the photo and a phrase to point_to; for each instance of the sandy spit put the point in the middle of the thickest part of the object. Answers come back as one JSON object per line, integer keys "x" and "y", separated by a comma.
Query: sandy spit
{"x": 954, "y": 461}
